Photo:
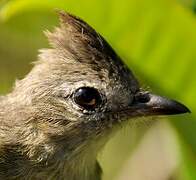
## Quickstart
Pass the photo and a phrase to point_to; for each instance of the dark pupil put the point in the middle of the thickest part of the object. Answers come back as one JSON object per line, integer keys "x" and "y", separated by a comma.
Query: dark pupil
{"x": 88, "y": 98}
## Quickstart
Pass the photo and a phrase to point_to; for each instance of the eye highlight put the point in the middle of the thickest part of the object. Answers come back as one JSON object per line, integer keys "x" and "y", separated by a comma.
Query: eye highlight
{"x": 87, "y": 97}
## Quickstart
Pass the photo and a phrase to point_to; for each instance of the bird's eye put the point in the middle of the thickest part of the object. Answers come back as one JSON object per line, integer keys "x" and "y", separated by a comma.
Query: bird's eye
{"x": 87, "y": 98}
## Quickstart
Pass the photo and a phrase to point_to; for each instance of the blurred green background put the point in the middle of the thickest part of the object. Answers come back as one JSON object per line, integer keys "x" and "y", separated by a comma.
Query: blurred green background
{"x": 157, "y": 39}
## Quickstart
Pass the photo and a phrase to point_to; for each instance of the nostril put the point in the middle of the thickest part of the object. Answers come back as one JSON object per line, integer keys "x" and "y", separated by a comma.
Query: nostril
{"x": 142, "y": 98}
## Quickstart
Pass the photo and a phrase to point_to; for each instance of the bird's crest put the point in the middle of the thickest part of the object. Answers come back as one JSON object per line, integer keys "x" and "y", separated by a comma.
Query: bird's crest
{"x": 80, "y": 40}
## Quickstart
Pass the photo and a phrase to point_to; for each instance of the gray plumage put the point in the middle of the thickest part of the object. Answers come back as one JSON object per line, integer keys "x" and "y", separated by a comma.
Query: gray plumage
{"x": 44, "y": 133}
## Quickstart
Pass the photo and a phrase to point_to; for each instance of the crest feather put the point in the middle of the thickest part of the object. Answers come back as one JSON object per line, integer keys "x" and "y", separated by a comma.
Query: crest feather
{"x": 78, "y": 38}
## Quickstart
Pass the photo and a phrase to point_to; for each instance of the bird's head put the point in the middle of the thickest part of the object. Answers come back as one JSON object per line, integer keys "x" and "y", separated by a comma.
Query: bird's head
{"x": 81, "y": 89}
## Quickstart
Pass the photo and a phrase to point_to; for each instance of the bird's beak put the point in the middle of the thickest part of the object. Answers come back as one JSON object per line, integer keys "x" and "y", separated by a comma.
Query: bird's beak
{"x": 147, "y": 104}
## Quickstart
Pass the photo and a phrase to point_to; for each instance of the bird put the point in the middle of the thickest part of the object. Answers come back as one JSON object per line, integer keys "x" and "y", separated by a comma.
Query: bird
{"x": 78, "y": 94}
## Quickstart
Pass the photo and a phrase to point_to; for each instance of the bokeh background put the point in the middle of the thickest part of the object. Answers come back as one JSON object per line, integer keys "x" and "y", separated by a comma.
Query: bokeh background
{"x": 157, "y": 39}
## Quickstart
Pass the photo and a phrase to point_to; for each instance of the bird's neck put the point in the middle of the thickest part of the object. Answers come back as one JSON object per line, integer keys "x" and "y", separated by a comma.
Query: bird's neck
{"x": 74, "y": 170}
{"x": 65, "y": 163}
{"x": 38, "y": 156}
{"x": 82, "y": 167}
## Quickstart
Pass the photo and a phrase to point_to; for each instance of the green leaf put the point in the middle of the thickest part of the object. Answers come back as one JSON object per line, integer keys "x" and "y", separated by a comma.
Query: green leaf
{"x": 188, "y": 165}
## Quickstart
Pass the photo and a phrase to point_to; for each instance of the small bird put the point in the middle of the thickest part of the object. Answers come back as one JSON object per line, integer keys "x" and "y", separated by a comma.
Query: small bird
{"x": 78, "y": 94}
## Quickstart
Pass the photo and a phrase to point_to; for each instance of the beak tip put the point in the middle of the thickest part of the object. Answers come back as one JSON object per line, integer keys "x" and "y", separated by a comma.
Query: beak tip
{"x": 182, "y": 109}
{"x": 151, "y": 104}
{"x": 166, "y": 106}
{"x": 175, "y": 107}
